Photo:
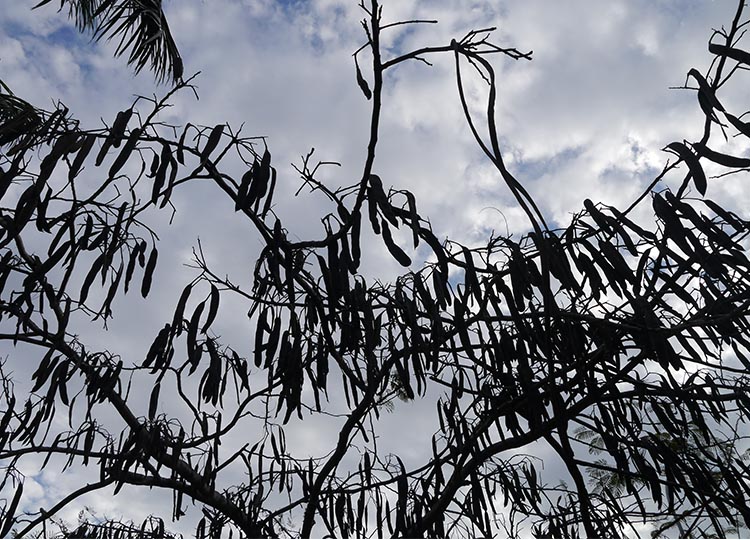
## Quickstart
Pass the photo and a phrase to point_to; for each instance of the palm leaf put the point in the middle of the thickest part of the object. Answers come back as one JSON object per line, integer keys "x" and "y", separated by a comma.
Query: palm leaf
{"x": 83, "y": 12}
{"x": 139, "y": 26}
{"x": 18, "y": 119}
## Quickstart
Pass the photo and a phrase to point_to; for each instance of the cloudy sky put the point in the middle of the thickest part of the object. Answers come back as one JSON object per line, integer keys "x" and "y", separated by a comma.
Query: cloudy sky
{"x": 587, "y": 117}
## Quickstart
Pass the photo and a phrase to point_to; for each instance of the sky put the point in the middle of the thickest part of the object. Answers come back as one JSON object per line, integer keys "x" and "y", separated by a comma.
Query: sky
{"x": 587, "y": 117}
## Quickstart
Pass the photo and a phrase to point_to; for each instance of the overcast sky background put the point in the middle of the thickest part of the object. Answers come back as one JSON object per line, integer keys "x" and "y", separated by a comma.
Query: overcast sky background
{"x": 587, "y": 117}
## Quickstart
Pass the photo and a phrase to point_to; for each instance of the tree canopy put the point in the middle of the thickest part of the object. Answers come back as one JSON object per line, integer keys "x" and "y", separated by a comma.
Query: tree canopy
{"x": 617, "y": 349}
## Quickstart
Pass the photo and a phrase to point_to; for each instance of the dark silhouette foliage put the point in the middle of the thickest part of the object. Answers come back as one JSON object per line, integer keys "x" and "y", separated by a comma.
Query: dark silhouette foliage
{"x": 620, "y": 347}
{"x": 137, "y": 25}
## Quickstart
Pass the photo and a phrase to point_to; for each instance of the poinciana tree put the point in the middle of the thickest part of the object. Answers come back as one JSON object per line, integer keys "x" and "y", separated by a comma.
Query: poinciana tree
{"x": 620, "y": 347}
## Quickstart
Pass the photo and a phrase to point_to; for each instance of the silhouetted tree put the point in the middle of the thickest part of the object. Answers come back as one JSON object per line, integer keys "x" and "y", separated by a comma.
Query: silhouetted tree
{"x": 619, "y": 346}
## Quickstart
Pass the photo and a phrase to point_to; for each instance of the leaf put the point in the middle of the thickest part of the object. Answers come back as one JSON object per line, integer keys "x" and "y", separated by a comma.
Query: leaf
{"x": 115, "y": 234}
{"x": 265, "y": 165}
{"x": 155, "y": 352}
{"x": 154, "y": 167}
{"x": 212, "y": 377}
{"x": 117, "y": 130}
{"x": 394, "y": 249}
{"x": 89, "y": 279}
{"x": 347, "y": 264}
{"x": 10, "y": 511}
{"x": 321, "y": 363}
{"x": 259, "y": 184}
{"x": 179, "y": 312}
{"x": 600, "y": 219}
{"x": 273, "y": 340}
{"x": 335, "y": 265}
{"x": 726, "y": 215}
{"x": 403, "y": 378}
{"x": 403, "y": 494}
{"x": 743, "y": 57}
{"x": 673, "y": 226}
{"x": 153, "y": 401}
{"x": 413, "y": 217}
{"x": 472, "y": 281}
{"x": 699, "y": 177}
{"x": 362, "y": 82}
{"x": 329, "y": 283}
{"x": 83, "y": 152}
{"x": 7, "y": 177}
{"x": 213, "y": 308}
{"x": 242, "y": 191}
{"x": 180, "y": 151}
{"x": 260, "y": 327}
{"x": 84, "y": 237}
{"x": 437, "y": 249}
{"x": 269, "y": 197}
{"x": 240, "y": 366}
{"x": 588, "y": 270}
{"x": 742, "y": 127}
{"x": 706, "y": 96}
{"x": 131, "y": 263}
{"x": 41, "y": 212}
{"x": 721, "y": 159}
{"x": 45, "y": 369}
{"x": 518, "y": 282}
{"x": 42, "y": 3}
{"x": 372, "y": 211}
{"x": 615, "y": 258}
{"x": 356, "y": 231}
{"x": 192, "y": 334}
{"x": 148, "y": 274}
{"x": 368, "y": 470}
{"x": 339, "y": 508}
{"x": 274, "y": 448}
{"x": 115, "y": 134}
{"x": 112, "y": 291}
{"x": 170, "y": 184}
{"x": 213, "y": 141}
{"x": 124, "y": 154}
{"x": 376, "y": 193}
{"x": 200, "y": 529}
{"x": 161, "y": 173}
{"x": 9, "y": 412}
{"x": 60, "y": 377}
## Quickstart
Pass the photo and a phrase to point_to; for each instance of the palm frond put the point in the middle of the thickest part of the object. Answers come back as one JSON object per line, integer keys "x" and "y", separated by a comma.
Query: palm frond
{"x": 83, "y": 12}
{"x": 18, "y": 119}
{"x": 140, "y": 26}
